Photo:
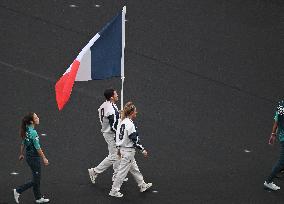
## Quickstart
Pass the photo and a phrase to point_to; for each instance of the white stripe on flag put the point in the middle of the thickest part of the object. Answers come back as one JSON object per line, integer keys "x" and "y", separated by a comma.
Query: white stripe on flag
{"x": 84, "y": 72}
{"x": 84, "y": 57}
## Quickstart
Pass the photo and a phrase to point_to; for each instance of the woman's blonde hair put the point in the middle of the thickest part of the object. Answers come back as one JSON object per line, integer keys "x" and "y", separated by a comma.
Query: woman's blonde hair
{"x": 127, "y": 110}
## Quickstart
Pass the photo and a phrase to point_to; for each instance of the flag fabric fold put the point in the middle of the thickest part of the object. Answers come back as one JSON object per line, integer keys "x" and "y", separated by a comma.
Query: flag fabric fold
{"x": 101, "y": 58}
{"x": 63, "y": 87}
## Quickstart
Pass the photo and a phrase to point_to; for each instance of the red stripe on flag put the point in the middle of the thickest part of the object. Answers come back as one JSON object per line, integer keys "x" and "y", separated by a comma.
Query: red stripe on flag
{"x": 63, "y": 86}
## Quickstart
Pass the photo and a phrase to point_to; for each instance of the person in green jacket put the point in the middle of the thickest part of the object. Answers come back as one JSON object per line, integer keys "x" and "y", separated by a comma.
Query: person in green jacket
{"x": 33, "y": 153}
{"x": 277, "y": 130}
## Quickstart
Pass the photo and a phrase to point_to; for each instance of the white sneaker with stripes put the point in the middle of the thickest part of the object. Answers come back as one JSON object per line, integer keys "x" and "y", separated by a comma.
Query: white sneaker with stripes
{"x": 93, "y": 175}
{"x": 145, "y": 186}
{"x": 271, "y": 186}
{"x": 16, "y": 195}
{"x": 115, "y": 194}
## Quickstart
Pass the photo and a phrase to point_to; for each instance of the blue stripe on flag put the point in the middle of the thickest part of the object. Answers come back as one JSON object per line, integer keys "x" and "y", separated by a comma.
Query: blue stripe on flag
{"x": 107, "y": 51}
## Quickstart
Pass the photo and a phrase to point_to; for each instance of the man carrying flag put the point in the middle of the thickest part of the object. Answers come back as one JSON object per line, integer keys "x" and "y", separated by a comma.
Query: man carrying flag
{"x": 109, "y": 116}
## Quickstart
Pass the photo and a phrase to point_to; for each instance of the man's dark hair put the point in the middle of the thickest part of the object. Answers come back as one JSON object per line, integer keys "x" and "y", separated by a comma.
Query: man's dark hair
{"x": 108, "y": 93}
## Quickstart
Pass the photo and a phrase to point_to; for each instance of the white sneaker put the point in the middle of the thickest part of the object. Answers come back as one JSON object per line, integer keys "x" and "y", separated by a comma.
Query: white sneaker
{"x": 93, "y": 175}
{"x": 271, "y": 186}
{"x": 145, "y": 186}
{"x": 115, "y": 194}
{"x": 42, "y": 200}
{"x": 16, "y": 195}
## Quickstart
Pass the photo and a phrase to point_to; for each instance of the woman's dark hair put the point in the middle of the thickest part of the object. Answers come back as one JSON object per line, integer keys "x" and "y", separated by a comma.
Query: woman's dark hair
{"x": 108, "y": 93}
{"x": 27, "y": 120}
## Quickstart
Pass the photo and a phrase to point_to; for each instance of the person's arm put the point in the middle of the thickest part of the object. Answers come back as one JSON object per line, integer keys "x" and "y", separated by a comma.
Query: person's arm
{"x": 21, "y": 157}
{"x": 41, "y": 154}
{"x": 273, "y": 134}
{"x": 112, "y": 123}
{"x": 113, "y": 118}
{"x": 38, "y": 148}
{"x": 136, "y": 141}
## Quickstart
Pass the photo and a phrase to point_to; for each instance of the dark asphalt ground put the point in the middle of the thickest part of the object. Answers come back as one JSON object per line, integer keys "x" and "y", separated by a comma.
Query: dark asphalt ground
{"x": 205, "y": 76}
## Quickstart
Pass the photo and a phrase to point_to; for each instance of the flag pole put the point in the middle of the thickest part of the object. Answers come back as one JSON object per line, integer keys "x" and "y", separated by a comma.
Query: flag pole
{"x": 122, "y": 55}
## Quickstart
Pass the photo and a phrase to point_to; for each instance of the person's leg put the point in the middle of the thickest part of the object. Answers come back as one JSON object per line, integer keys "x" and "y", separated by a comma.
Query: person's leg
{"x": 34, "y": 164}
{"x": 25, "y": 186}
{"x": 134, "y": 170}
{"x": 278, "y": 166}
{"x": 112, "y": 157}
{"x": 125, "y": 164}
{"x": 36, "y": 170}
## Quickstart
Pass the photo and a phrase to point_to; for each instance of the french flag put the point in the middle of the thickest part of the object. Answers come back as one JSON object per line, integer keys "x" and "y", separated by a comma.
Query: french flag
{"x": 101, "y": 58}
